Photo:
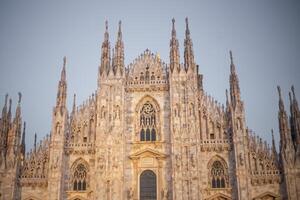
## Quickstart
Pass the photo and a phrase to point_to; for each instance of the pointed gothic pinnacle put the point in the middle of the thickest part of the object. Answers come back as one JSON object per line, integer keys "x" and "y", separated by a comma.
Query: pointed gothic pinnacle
{"x": 63, "y": 71}
{"x": 106, "y": 31}
{"x": 293, "y": 91}
{"x": 232, "y": 66}
{"x": 273, "y": 141}
{"x": 173, "y": 28}
{"x": 227, "y": 100}
{"x": 120, "y": 31}
{"x": 35, "y": 142}
{"x": 281, "y": 106}
{"x": 187, "y": 31}
{"x": 9, "y": 108}
{"x": 74, "y": 102}
{"x": 20, "y": 97}
{"x": 23, "y": 134}
{"x": 6, "y": 98}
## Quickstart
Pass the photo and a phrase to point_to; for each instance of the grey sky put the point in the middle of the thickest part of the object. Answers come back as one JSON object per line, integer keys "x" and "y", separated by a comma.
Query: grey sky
{"x": 35, "y": 35}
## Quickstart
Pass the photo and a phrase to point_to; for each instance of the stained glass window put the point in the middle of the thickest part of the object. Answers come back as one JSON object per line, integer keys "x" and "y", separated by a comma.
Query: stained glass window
{"x": 80, "y": 174}
{"x": 217, "y": 175}
{"x": 148, "y": 123}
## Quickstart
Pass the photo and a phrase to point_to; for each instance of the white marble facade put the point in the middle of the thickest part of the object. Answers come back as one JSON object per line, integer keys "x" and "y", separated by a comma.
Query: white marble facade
{"x": 150, "y": 132}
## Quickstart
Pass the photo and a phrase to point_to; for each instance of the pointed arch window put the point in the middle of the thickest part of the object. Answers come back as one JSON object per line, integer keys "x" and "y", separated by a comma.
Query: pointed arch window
{"x": 148, "y": 123}
{"x": 218, "y": 175}
{"x": 80, "y": 178}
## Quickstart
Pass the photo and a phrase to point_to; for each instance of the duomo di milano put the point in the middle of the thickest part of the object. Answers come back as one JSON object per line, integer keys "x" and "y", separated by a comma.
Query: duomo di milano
{"x": 150, "y": 132}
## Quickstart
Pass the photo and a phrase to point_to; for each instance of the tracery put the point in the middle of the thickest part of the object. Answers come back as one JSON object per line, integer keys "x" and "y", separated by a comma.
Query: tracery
{"x": 148, "y": 128}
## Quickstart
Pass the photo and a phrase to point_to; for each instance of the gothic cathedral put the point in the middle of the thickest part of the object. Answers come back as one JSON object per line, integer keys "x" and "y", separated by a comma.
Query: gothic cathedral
{"x": 150, "y": 132}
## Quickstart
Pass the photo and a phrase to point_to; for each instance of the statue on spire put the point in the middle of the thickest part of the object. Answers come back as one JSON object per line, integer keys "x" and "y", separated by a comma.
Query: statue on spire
{"x": 188, "y": 49}
{"x": 174, "y": 49}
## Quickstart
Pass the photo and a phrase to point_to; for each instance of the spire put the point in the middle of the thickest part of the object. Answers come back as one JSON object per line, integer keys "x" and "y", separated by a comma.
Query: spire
{"x": 285, "y": 136}
{"x": 114, "y": 68}
{"x": 62, "y": 87}
{"x": 188, "y": 48}
{"x": 120, "y": 31}
{"x": 23, "y": 145}
{"x": 74, "y": 104}
{"x": 294, "y": 97}
{"x": 119, "y": 53}
{"x": 187, "y": 30}
{"x": 18, "y": 109}
{"x": 35, "y": 142}
{"x": 9, "y": 111}
{"x": 235, "y": 95}
{"x": 174, "y": 49}
{"x": 232, "y": 66}
{"x": 273, "y": 143}
{"x": 228, "y": 106}
{"x": 105, "y": 56}
{"x": 294, "y": 119}
{"x": 4, "y": 110}
{"x": 63, "y": 71}
{"x": 280, "y": 104}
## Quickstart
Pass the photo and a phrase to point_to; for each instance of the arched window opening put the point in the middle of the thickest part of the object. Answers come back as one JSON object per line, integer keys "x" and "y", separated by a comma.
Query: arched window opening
{"x": 142, "y": 76}
{"x": 147, "y": 77}
{"x": 148, "y": 123}
{"x": 142, "y": 135}
{"x": 80, "y": 175}
{"x": 148, "y": 185}
{"x": 217, "y": 175}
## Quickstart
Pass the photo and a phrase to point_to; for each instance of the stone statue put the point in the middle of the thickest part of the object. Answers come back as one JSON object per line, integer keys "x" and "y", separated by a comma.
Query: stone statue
{"x": 130, "y": 193}
{"x": 164, "y": 194}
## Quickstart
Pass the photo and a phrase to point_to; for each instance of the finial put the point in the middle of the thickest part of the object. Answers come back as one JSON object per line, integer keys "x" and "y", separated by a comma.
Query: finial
{"x": 120, "y": 31}
{"x": 187, "y": 31}
{"x": 63, "y": 71}
{"x": 231, "y": 57}
{"x": 6, "y": 98}
{"x": 35, "y": 142}
{"x": 293, "y": 91}
{"x": 281, "y": 106}
{"x": 106, "y": 25}
{"x": 74, "y": 102}
{"x": 120, "y": 23}
{"x": 232, "y": 66}
{"x": 10, "y": 102}
{"x": 65, "y": 61}
{"x": 187, "y": 23}
{"x": 23, "y": 135}
{"x": 227, "y": 99}
{"x": 273, "y": 141}
{"x": 279, "y": 91}
{"x": 20, "y": 97}
{"x": 106, "y": 31}
{"x": 290, "y": 97}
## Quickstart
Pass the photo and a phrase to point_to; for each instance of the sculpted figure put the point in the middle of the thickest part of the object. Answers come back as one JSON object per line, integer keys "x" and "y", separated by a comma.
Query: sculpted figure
{"x": 130, "y": 193}
{"x": 164, "y": 194}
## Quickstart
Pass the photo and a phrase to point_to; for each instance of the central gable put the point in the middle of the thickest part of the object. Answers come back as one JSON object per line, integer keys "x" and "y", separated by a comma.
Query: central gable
{"x": 147, "y": 68}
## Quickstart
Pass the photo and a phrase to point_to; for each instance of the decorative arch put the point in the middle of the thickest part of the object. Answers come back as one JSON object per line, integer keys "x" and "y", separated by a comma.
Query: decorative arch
{"x": 31, "y": 197}
{"x": 78, "y": 198}
{"x": 147, "y": 119}
{"x": 219, "y": 196}
{"x": 267, "y": 196}
{"x": 79, "y": 175}
{"x": 218, "y": 172}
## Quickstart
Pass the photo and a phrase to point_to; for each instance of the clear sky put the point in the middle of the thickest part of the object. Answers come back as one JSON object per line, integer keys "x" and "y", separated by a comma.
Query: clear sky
{"x": 35, "y": 35}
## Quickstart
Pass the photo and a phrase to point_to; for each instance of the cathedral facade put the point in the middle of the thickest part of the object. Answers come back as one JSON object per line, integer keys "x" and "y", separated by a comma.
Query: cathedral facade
{"x": 150, "y": 132}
